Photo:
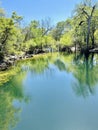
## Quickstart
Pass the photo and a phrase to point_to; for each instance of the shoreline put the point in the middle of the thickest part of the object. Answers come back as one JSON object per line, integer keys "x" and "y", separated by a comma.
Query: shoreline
{"x": 11, "y": 59}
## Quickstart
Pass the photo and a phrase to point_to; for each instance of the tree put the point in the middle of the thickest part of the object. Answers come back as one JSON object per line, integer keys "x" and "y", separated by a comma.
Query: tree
{"x": 67, "y": 39}
{"x": 86, "y": 11}
{"x": 6, "y": 25}
{"x": 94, "y": 27}
{"x": 10, "y": 31}
{"x": 17, "y": 19}
{"x": 45, "y": 26}
{"x": 58, "y": 31}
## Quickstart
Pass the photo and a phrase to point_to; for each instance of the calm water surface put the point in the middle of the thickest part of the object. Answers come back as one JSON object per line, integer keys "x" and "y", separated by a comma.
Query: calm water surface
{"x": 51, "y": 92}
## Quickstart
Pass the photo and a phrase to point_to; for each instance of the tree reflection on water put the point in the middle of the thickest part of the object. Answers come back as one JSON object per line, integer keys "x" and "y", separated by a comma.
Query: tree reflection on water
{"x": 9, "y": 92}
{"x": 86, "y": 75}
{"x": 83, "y": 69}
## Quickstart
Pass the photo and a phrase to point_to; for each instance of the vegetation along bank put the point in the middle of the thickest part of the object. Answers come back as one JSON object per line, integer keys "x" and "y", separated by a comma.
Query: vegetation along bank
{"x": 19, "y": 41}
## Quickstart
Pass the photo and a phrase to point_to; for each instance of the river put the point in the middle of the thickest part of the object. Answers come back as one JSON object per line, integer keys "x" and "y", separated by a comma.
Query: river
{"x": 50, "y": 92}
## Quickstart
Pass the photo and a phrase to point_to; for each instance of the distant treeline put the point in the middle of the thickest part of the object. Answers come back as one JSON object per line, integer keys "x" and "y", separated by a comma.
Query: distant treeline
{"x": 41, "y": 36}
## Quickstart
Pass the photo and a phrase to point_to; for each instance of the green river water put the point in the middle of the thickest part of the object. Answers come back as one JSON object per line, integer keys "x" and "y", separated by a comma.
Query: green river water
{"x": 50, "y": 92}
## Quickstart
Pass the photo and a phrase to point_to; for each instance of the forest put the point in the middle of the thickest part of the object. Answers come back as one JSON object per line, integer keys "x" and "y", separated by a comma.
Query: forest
{"x": 79, "y": 32}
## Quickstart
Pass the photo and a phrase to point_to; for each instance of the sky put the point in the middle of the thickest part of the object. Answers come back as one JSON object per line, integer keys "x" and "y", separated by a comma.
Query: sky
{"x": 57, "y": 10}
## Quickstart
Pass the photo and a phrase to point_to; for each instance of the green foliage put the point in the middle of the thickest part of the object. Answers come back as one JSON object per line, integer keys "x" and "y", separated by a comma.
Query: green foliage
{"x": 96, "y": 36}
{"x": 11, "y": 35}
{"x": 81, "y": 29}
{"x": 10, "y": 89}
{"x": 58, "y": 31}
{"x": 67, "y": 38}
{"x": 17, "y": 19}
{"x": 86, "y": 15}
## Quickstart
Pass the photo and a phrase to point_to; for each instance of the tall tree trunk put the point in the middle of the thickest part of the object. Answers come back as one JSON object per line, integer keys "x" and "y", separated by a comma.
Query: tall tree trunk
{"x": 88, "y": 31}
{"x": 93, "y": 37}
{"x": 93, "y": 41}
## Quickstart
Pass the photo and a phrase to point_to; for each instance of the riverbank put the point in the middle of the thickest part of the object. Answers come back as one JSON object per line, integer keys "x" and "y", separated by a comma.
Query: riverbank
{"x": 11, "y": 59}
